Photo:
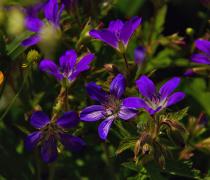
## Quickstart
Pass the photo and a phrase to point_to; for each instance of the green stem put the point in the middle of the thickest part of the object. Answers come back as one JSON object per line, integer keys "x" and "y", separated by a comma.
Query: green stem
{"x": 126, "y": 61}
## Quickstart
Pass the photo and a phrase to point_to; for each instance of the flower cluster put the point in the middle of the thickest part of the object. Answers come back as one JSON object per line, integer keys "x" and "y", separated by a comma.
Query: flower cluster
{"x": 112, "y": 105}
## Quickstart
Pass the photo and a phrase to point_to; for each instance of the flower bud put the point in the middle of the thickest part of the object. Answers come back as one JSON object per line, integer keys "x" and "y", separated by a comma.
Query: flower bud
{"x": 146, "y": 148}
{"x": 111, "y": 68}
{"x": 33, "y": 56}
{"x": 161, "y": 162}
{"x": 136, "y": 149}
{"x": 189, "y": 31}
{"x": 139, "y": 55}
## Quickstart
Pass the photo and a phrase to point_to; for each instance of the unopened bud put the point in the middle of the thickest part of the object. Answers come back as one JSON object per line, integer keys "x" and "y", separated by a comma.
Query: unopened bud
{"x": 161, "y": 162}
{"x": 33, "y": 56}
{"x": 111, "y": 68}
{"x": 136, "y": 149}
{"x": 189, "y": 31}
{"x": 146, "y": 148}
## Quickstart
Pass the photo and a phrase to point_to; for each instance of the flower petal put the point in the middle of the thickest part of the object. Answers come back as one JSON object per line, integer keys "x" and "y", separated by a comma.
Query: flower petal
{"x": 33, "y": 24}
{"x": 49, "y": 151}
{"x": 51, "y": 10}
{"x": 68, "y": 120}
{"x": 146, "y": 86}
{"x": 92, "y": 113}
{"x": 83, "y": 65}
{"x": 201, "y": 59}
{"x": 134, "y": 102}
{"x": 129, "y": 28}
{"x": 32, "y": 140}
{"x": 104, "y": 127}
{"x": 39, "y": 119}
{"x": 126, "y": 113}
{"x": 169, "y": 87}
{"x": 31, "y": 41}
{"x": 203, "y": 45}
{"x": 51, "y": 68}
{"x": 58, "y": 15}
{"x": 117, "y": 86}
{"x": 115, "y": 26}
{"x": 72, "y": 143}
{"x": 96, "y": 92}
{"x": 105, "y": 36}
{"x": 68, "y": 61}
{"x": 175, "y": 98}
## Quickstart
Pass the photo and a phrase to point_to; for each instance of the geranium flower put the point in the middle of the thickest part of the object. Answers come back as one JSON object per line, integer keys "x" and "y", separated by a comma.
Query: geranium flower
{"x": 204, "y": 56}
{"x": 50, "y": 132}
{"x": 69, "y": 68}
{"x": 110, "y": 107}
{"x": 154, "y": 101}
{"x": 118, "y": 33}
{"x": 34, "y": 24}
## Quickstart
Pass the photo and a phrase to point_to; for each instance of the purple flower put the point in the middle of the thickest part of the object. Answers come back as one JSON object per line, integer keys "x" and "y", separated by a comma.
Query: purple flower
{"x": 153, "y": 100}
{"x": 204, "y": 56}
{"x": 50, "y": 132}
{"x": 118, "y": 33}
{"x": 34, "y": 24}
{"x": 110, "y": 106}
{"x": 69, "y": 68}
{"x": 139, "y": 55}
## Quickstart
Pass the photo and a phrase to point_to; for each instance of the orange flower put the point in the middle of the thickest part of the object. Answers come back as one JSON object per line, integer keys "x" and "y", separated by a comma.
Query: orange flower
{"x": 1, "y": 77}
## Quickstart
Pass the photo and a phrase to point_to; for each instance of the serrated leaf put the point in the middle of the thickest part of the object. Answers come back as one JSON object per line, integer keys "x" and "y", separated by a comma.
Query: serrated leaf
{"x": 179, "y": 115}
{"x": 125, "y": 144}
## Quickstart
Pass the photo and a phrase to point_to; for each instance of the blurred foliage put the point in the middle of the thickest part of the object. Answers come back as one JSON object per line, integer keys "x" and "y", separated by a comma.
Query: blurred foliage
{"x": 168, "y": 31}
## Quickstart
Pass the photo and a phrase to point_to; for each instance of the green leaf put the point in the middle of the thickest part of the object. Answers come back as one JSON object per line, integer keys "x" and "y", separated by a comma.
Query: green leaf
{"x": 125, "y": 144}
{"x": 159, "y": 22}
{"x": 179, "y": 115}
{"x": 14, "y": 49}
{"x": 129, "y": 7}
{"x": 154, "y": 171}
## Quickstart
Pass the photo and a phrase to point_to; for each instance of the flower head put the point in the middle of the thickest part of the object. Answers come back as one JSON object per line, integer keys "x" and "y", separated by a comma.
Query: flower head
{"x": 118, "y": 33}
{"x": 204, "y": 56}
{"x": 110, "y": 106}
{"x": 154, "y": 100}
{"x": 36, "y": 25}
{"x": 69, "y": 67}
{"x": 50, "y": 132}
